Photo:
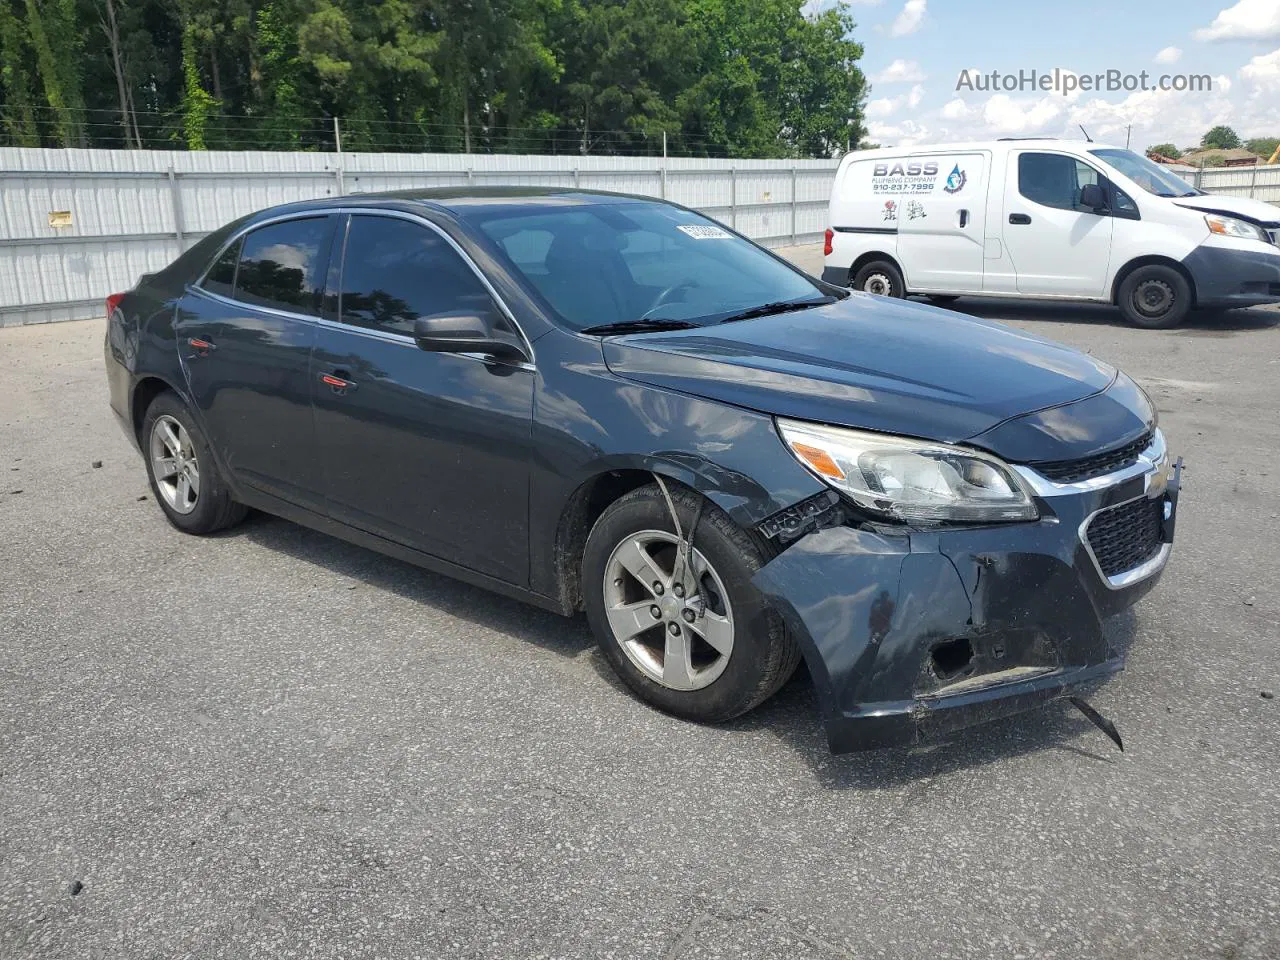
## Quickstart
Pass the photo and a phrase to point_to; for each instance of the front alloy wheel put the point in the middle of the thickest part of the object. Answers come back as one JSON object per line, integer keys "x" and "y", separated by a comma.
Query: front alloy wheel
{"x": 692, "y": 636}
{"x": 676, "y": 626}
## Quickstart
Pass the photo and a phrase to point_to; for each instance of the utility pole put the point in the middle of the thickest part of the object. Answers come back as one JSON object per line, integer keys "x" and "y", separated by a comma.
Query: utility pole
{"x": 664, "y": 146}
{"x": 1128, "y": 132}
{"x": 337, "y": 135}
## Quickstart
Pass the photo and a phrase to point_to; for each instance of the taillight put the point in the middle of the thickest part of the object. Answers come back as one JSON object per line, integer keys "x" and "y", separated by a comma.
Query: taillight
{"x": 113, "y": 301}
{"x": 826, "y": 242}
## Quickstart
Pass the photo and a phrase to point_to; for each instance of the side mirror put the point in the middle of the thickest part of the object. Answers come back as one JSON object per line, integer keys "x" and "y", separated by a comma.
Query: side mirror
{"x": 1091, "y": 196}
{"x": 466, "y": 333}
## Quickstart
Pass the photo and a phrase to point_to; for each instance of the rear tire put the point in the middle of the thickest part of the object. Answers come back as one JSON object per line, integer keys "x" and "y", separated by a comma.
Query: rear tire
{"x": 1155, "y": 297}
{"x": 184, "y": 478}
{"x": 668, "y": 659}
{"x": 880, "y": 277}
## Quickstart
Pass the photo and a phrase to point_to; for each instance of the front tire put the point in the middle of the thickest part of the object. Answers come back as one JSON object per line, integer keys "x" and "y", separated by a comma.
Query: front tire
{"x": 880, "y": 277}
{"x": 1155, "y": 297}
{"x": 184, "y": 478}
{"x": 704, "y": 646}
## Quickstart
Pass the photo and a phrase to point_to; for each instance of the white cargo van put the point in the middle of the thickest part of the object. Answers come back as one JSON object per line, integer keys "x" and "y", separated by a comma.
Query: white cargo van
{"x": 1048, "y": 219}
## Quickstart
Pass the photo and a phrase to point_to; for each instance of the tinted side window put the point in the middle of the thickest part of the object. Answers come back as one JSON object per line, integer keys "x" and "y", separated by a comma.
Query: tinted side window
{"x": 221, "y": 278}
{"x": 280, "y": 265}
{"x": 397, "y": 271}
{"x": 1054, "y": 180}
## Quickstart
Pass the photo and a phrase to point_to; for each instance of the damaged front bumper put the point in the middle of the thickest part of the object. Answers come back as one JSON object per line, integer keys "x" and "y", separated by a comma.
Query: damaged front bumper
{"x": 913, "y": 633}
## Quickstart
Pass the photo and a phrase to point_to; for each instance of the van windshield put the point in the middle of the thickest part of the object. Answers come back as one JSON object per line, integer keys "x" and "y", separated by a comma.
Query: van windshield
{"x": 1150, "y": 176}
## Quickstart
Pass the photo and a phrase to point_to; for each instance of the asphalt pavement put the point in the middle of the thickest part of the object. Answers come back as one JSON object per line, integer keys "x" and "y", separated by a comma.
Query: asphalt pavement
{"x": 269, "y": 743}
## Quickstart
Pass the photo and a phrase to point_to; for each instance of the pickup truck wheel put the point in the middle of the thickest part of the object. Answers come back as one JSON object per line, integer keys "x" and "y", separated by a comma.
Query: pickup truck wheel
{"x": 184, "y": 478}
{"x": 881, "y": 278}
{"x": 695, "y": 639}
{"x": 1155, "y": 297}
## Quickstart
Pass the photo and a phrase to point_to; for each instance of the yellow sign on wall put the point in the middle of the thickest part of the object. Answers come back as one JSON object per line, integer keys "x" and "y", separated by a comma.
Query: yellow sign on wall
{"x": 59, "y": 218}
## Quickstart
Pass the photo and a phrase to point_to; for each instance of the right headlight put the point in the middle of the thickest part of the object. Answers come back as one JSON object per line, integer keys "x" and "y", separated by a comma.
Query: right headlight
{"x": 912, "y": 480}
{"x": 1231, "y": 227}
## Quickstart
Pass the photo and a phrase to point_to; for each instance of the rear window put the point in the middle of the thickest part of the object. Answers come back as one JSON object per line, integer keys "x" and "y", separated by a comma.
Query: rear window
{"x": 276, "y": 266}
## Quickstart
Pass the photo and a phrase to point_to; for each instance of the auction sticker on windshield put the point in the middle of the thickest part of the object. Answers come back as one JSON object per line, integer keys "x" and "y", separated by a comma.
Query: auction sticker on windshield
{"x": 703, "y": 231}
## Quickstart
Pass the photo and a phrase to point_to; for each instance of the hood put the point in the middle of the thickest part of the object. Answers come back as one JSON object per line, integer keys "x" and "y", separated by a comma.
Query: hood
{"x": 1255, "y": 210}
{"x": 888, "y": 365}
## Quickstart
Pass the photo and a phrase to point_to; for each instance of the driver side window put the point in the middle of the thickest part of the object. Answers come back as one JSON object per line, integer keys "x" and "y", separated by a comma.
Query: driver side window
{"x": 1054, "y": 180}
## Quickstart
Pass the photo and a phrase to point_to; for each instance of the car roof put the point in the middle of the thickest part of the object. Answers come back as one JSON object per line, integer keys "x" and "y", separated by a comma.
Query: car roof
{"x": 461, "y": 197}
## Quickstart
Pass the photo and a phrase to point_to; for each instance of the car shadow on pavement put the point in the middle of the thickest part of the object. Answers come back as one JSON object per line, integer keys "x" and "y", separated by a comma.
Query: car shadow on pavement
{"x": 791, "y": 716}
{"x": 1199, "y": 323}
{"x": 569, "y": 638}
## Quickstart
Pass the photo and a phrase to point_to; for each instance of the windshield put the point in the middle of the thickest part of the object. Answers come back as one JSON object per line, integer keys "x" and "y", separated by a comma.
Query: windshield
{"x": 603, "y": 263}
{"x": 1150, "y": 176}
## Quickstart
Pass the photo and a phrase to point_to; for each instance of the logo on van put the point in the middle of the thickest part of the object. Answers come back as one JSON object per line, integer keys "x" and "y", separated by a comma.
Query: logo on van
{"x": 955, "y": 180}
{"x": 912, "y": 176}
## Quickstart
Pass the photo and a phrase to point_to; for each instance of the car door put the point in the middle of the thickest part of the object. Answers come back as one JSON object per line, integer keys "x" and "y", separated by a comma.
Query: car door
{"x": 427, "y": 449}
{"x": 939, "y": 205}
{"x": 1057, "y": 246}
{"x": 245, "y": 334}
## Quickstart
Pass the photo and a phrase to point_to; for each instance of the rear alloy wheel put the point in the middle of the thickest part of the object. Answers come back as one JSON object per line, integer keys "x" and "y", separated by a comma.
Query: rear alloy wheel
{"x": 692, "y": 636}
{"x": 184, "y": 478}
{"x": 1155, "y": 297}
{"x": 881, "y": 278}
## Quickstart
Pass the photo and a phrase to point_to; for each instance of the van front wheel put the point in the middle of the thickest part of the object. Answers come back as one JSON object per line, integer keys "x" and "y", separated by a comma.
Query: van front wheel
{"x": 881, "y": 278}
{"x": 1155, "y": 297}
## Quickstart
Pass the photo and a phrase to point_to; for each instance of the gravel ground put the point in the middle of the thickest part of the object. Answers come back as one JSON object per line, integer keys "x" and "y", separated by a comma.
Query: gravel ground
{"x": 272, "y": 744}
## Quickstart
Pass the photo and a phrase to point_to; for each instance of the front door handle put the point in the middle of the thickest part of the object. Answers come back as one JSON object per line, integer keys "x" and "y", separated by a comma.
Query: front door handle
{"x": 337, "y": 382}
{"x": 1019, "y": 218}
{"x": 964, "y": 219}
{"x": 201, "y": 346}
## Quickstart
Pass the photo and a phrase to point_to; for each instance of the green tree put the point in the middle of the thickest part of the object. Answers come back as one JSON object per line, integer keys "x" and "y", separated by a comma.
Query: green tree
{"x": 1220, "y": 138}
{"x": 1165, "y": 150}
{"x": 1262, "y": 146}
{"x": 15, "y": 82}
{"x": 197, "y": 103}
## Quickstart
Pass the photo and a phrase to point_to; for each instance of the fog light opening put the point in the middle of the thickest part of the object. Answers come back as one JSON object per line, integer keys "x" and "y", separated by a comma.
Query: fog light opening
{"x": 952, "y": 659}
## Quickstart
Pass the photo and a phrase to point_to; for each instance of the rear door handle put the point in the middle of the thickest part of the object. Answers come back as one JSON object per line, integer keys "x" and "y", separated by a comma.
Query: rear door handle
{"x": 337, "y": 382}
{"x": 964, "y": 218}
{"x": 1019, "y": 218}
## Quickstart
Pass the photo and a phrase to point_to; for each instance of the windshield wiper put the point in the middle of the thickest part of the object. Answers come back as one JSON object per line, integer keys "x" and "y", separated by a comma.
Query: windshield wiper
{"x": 779, "y": 306}
{"x": 644, "y": 325}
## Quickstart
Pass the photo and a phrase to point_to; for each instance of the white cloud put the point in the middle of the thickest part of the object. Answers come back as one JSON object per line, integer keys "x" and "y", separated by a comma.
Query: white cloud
{"x": 887, "y": 106}
{"x": 1247, "y": 20}
{"x": 955, "y": 109}
{"x": 1169, "y": 55}
{"x": 900, "y": 71}
{"x": 1004, "y": 115}
{"x": 909, "y": 20}
{"x": 1263, "y": 71}
{"x": 905, "y": 134}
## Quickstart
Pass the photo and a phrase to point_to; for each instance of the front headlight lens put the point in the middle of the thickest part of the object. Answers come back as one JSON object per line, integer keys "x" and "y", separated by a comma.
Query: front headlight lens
{"x": 906, "y": 479}
{"x": 1231, "y": 227}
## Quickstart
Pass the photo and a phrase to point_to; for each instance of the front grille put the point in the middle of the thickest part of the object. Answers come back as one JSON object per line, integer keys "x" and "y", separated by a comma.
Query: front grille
{"x": 1126, "y": 536}
{"x": 1099, "y": 465}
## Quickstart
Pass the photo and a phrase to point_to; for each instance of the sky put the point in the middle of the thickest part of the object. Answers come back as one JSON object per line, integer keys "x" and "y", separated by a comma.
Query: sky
{"x": 916, "y": 50}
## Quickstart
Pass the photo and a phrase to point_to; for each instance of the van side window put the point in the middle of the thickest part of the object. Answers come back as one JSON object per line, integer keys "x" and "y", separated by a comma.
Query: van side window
{"x": 1054, "y": 180}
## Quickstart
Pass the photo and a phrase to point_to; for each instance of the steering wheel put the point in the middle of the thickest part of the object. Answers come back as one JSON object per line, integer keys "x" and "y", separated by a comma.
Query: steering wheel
{"x": 668, "y": 296}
